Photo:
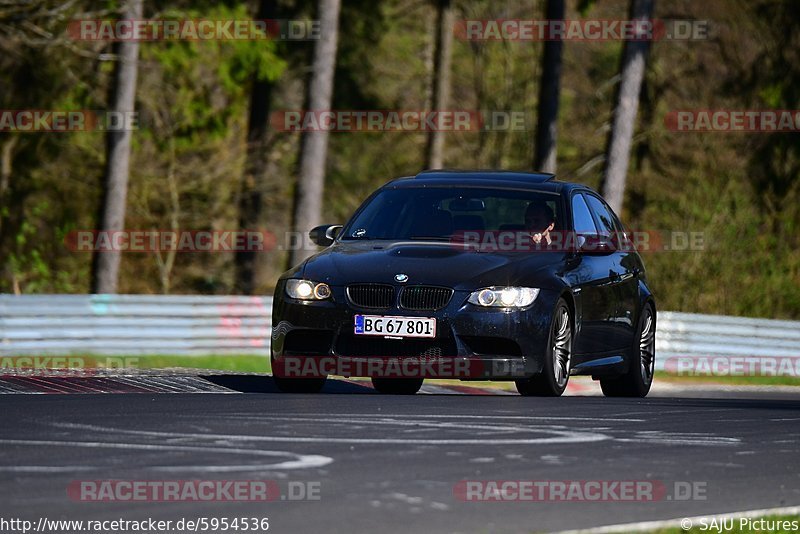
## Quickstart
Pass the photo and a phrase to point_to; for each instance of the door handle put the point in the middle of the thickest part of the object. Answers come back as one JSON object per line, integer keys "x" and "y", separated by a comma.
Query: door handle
{"x": 613, "y": 275}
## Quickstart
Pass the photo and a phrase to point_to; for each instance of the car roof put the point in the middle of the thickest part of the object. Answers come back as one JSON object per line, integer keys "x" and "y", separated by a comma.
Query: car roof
{"x": 501, "y": 179}
{"x": 514, "y": 176}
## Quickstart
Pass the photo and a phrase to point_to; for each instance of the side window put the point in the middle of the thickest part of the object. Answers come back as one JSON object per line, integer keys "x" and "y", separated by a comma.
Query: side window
{"x": 581, "y": 217}
{"x": 602, "y": 215}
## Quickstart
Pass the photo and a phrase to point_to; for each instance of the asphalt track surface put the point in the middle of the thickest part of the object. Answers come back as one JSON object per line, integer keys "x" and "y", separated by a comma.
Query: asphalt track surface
{"x": 393, "y": 463}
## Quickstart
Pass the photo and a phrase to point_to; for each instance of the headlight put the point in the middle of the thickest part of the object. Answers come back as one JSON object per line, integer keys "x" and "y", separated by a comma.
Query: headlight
{"x": 307, "y": 290}
{"x": 504, "y": 297}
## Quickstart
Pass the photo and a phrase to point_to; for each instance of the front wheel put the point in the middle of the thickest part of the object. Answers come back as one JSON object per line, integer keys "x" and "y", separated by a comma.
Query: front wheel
{"x": 552, "y": 381}
{"x": 397, "y": 386}
{"x": 637, "y": 381}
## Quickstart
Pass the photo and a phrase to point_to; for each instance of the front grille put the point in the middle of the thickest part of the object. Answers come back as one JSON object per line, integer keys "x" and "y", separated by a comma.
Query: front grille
{"x": 371, "y": 295}
{"x": 421, "y": 298}
{"x": 358, "y": 346}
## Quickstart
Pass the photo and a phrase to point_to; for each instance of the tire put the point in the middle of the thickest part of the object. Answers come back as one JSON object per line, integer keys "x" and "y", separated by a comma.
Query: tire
{"x": 297, "y": 385}
{"x": 397, "y": 386}
{"x": 637, "y": 381}
{"x": 553, "y": 379}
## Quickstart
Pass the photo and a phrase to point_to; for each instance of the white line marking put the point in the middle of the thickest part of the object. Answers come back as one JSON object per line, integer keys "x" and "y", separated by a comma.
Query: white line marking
{"x": 44, "y": 468}
{"x": 440, "y": 416}
{"x": 300, "y": 464}
{"x": 558, "y": 433}
{"x": 667, "y": 523}
{"x": 296, "y": 461}
{"x": 560, "y": 436}
{"x": 416, "y": 424}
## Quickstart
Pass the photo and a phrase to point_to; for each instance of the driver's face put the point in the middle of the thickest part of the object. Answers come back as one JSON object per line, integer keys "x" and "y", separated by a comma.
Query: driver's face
{"x": 537, "y": 220}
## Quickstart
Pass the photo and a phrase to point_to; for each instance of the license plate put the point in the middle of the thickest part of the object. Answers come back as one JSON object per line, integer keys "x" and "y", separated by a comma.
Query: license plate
{"x": 379, "y": 325}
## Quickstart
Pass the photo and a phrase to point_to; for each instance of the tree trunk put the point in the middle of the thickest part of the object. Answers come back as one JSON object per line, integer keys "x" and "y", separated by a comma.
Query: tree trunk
{"x": 6, "y": 157}
{"x": 544, "y": 158}
{"x": 634, "y": 60}
{"x": 252, "y": 183}
{"x": 105, "y": 267}
{"x": 434, "y": 150}
{"x": 314, "y": 149}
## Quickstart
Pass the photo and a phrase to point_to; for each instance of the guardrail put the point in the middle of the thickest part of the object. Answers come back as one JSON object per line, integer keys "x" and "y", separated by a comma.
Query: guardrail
{"x": 694, "y": 335}
{"x": 134, "y": 324}
{"x": 196, "y": 325}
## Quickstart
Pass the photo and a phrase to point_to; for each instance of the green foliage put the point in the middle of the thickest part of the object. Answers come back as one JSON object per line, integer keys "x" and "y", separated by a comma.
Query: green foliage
{"x": 209, "y": 80}
{"x": 739, "y": 190}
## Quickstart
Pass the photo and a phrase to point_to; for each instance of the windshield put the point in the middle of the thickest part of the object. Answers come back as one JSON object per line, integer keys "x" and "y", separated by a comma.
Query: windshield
{"x": 439, "y": 213}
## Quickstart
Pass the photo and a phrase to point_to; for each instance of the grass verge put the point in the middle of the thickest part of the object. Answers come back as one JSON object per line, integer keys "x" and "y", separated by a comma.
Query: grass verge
{"x": 234, "y": 362}
{"x": 729, "y": 380}
{"x": 741, "y": 525}
{"x": 260, "y": 364}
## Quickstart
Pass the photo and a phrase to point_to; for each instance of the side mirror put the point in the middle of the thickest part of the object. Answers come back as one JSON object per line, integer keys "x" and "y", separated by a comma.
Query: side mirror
{"x": 325, "y": 234}
{"x": 596, "y": 245}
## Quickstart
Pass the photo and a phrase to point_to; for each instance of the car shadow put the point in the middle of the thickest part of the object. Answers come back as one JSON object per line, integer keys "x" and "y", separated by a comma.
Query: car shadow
{"x": 265, "y": 384}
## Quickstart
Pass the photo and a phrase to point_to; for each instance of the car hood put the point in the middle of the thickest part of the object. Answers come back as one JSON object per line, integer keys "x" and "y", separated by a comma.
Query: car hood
{"x": 432, "y": 263}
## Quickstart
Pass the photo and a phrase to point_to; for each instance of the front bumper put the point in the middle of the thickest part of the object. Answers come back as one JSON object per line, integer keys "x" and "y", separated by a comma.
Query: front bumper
{"x": 472, "y": 343}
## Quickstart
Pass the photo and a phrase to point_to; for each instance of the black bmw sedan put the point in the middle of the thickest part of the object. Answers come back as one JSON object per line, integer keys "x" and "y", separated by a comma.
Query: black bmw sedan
{"x": 471, "y": 275}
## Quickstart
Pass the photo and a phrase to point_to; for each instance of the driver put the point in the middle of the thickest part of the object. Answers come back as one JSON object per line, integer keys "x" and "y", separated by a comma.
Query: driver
{"x": 539, "y": 222}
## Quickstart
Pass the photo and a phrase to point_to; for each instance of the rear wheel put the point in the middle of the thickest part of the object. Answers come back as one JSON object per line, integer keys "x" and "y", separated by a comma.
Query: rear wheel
{"x": 397, "y": 386}
{"x": 552, "y": 381}
{"x": 637, "y": 381}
